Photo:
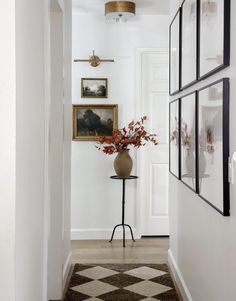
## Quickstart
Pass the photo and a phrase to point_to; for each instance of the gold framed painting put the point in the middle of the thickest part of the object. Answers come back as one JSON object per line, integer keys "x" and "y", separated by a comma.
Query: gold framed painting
{"x": 94, "y": 88}
{"x": 90, "y": 122}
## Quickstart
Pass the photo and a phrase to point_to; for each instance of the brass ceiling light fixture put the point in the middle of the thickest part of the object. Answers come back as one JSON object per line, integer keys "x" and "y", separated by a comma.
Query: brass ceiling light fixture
{"x": 120, "y": 10}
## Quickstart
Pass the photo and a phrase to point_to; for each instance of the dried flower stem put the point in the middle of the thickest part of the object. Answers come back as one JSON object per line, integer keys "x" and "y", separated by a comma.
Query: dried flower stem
{"x": 133, "y": 135}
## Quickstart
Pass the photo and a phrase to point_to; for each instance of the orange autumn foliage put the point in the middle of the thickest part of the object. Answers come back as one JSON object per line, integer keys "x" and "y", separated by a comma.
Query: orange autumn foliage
{"x": 133, "y": 135}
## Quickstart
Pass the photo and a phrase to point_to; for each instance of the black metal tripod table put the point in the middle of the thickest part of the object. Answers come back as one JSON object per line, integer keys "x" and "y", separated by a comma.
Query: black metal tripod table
{"x": 123, "y": 225}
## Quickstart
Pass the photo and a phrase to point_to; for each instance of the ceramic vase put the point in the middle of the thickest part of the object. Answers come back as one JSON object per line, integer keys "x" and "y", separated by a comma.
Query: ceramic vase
{"x": 123, "y": 164}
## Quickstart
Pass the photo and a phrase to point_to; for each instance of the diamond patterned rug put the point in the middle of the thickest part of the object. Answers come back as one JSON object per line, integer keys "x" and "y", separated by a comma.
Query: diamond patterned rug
{"x": 121, "y": 282}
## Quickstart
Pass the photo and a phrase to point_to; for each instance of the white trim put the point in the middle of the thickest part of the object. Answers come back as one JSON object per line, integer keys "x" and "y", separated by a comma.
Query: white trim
{"x": 47, "y": 94}
{"x": 184, "y": 291}
{"x": 138, "y": 94}
{"x": 66, "y": 269}
{"x": 103, "y": 234}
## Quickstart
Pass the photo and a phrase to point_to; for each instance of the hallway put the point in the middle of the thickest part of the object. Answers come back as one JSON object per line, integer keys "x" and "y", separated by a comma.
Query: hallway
{"x": 67, "y": 117}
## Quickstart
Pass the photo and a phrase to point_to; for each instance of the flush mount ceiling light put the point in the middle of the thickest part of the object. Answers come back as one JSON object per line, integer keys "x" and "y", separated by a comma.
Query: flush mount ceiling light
{"x": 120, "y": 10}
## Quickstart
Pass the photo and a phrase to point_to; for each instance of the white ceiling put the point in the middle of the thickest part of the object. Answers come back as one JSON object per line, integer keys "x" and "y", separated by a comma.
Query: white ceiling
{"x": 144, "y": 7}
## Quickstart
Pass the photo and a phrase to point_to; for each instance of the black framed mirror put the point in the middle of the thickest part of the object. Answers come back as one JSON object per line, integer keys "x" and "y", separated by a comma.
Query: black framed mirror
{"x": 213, "y": 145}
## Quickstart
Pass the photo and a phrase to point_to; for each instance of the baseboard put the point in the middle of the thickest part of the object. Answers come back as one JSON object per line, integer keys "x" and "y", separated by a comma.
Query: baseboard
{"x": 103, "y": 234}
{"x": 183, "y": 289}
{"x": 66, "y": 269}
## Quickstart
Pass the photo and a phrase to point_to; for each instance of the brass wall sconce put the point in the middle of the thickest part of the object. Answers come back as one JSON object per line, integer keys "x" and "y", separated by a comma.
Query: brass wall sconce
{"x": 94, "y": 60}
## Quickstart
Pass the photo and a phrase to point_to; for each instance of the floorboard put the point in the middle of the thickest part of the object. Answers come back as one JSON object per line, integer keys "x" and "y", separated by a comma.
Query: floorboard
{"x": 145, "y": 250}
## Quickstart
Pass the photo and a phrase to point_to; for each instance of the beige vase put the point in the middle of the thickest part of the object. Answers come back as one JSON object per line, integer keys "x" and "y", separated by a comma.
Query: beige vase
{"x": 123, "y": 164}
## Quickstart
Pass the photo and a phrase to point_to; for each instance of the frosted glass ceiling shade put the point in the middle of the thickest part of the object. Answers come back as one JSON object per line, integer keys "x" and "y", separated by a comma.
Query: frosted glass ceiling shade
{"x": 119, "y": 10}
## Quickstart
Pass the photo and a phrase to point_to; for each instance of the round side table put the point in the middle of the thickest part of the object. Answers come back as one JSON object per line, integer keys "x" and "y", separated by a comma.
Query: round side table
{"x": 123, "y": 225}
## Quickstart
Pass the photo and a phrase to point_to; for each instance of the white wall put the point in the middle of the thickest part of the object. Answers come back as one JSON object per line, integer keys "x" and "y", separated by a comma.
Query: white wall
{"x": 56, "y": 155}
{"x": 30, "y": 152}
{"x": 66, "y": 222}
{"x": 59, "y": 149}
{"x": 202, "y": 242}
{"x": 7, "y": 150}
{"x": 96, "y": 200}
{"x": 24, "y": 131}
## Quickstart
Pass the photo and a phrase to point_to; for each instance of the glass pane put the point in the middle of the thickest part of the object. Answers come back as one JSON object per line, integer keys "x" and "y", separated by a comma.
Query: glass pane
{"x": 188, "y": 137}
{"x": 211, "y": 35}
{"x": 189, "y": 41}
{"x": 211, "y": 145}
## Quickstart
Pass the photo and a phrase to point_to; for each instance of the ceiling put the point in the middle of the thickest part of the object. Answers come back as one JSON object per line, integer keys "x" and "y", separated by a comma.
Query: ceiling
{"x": 144, "y": 7}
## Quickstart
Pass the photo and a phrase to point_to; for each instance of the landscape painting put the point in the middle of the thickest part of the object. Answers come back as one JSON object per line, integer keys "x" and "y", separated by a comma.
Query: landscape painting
{"x": 94, "y": 87}
{"x": 93, "y": 121}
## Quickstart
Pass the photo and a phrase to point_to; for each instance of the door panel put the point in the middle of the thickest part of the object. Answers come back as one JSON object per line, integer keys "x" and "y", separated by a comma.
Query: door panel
{"x": 154, "y": 159}
{"x": 159, "y": 173}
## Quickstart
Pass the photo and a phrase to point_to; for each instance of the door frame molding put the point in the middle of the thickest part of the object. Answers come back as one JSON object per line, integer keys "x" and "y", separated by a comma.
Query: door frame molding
{"x": 138, "y": 96}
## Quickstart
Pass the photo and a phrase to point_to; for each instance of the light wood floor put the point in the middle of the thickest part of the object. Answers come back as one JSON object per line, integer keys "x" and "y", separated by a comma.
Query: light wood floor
{"x": 145, "y": 250}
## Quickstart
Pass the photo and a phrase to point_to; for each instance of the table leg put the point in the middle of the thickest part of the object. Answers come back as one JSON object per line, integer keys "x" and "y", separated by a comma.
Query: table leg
{"x": 123, "y": 202}
{"x": 123, "y": 210}
{"x": 131, "y": 231}
{"x": 123, "y": 218}
{"x": 123, "y": 227}
{"x": 113, "y": 232}
{"x": 123, "y": 236}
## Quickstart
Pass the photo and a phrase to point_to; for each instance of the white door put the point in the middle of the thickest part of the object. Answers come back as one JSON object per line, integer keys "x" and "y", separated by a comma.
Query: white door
{"x": 153, "y": 163}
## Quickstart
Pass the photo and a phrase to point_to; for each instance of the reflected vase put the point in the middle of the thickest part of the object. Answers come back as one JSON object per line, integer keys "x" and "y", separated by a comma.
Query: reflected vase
{"x": 202, "y": 163}
{"x": 190, "y": 163}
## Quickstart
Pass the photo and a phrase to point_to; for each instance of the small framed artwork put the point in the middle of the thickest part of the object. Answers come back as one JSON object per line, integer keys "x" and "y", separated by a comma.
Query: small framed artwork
{"x": 174, "y": 138}
{"x": 93, "y": 121}
{"x": 94, "y": 88}
{"x": 174, "y": 54}
{"x": 214, "y": 36}
{"x": 189, "y": 43}
{"x": 188, "y": 141}
{"x": 213, "y": 145}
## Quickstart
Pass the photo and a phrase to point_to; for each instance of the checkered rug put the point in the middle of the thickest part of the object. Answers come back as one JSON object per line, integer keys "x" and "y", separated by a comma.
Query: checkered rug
{"x": 121, "y": 282}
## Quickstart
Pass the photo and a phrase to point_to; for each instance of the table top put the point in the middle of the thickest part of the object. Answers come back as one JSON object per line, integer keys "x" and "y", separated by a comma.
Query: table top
{"x": 124, "y": 178}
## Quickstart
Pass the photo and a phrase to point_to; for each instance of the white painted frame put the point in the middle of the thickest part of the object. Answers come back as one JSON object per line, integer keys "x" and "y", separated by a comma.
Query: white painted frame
{"x": 61, "y": 8}
{"x": 138, "y": 84}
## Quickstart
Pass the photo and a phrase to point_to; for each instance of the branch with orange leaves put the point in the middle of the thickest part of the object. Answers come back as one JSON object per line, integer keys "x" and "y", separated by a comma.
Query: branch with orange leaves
{"x": 133, "y": 135}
